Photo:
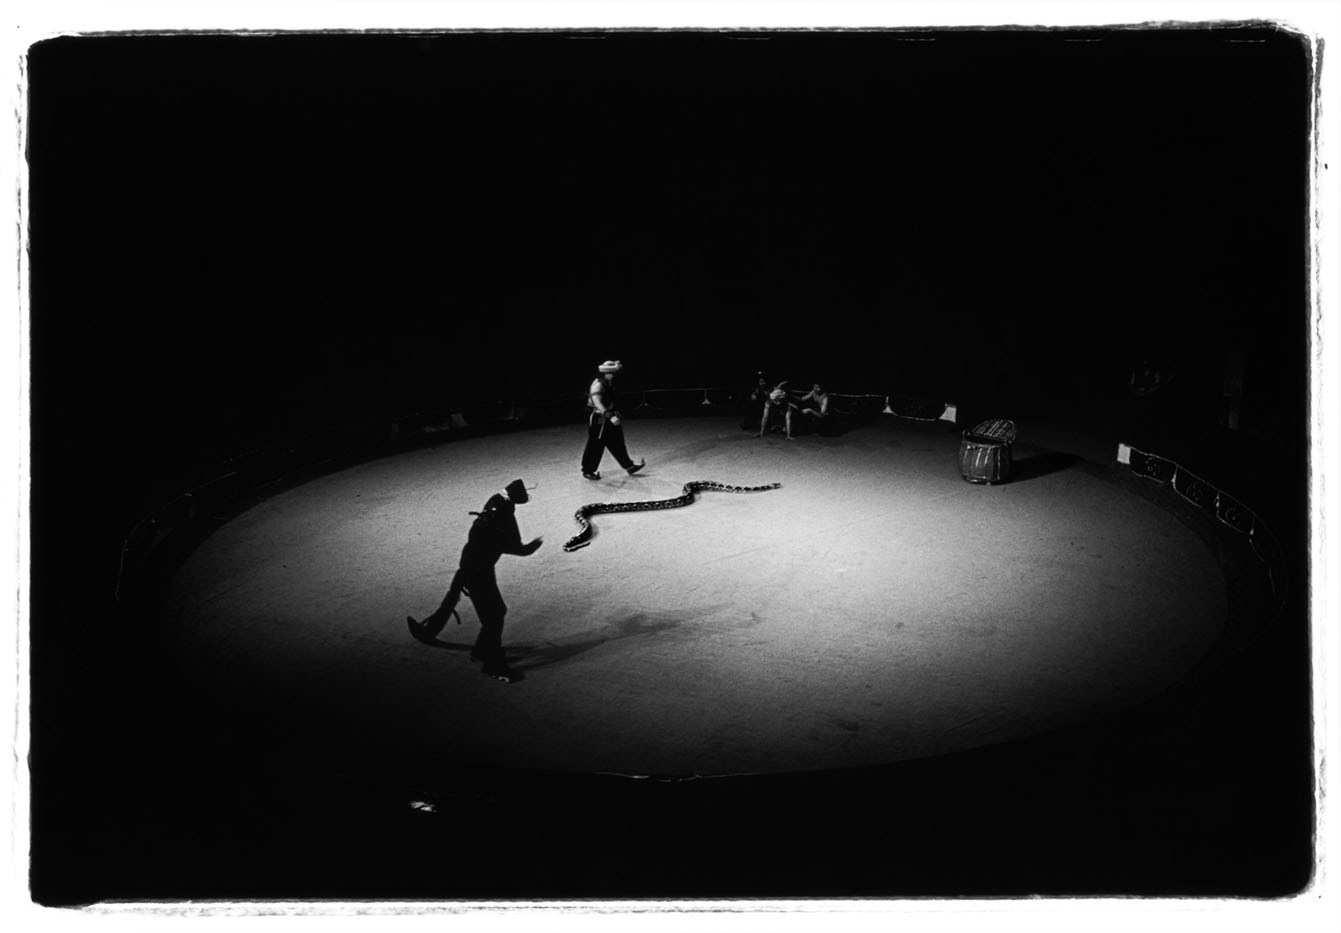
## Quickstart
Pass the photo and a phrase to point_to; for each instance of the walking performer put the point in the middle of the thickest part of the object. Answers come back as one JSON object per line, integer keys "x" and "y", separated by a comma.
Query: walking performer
{"x": 493, "y": 534}
{"x": 604, "y": 425}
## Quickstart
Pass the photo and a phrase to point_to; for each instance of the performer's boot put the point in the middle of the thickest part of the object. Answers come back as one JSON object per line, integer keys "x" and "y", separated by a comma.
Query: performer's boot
{"x": 635, "y": 467}
{"x": 499, "y": 671}
{"x": 495, "y": 661}
{"x": 426, "y": 631}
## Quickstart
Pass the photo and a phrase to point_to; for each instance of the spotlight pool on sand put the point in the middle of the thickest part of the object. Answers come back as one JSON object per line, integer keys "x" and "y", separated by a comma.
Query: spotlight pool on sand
{"x": 876, "y": 608}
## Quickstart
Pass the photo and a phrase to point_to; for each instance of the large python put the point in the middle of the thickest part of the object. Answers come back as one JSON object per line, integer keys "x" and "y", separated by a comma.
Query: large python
{"x": 583, "y": 537}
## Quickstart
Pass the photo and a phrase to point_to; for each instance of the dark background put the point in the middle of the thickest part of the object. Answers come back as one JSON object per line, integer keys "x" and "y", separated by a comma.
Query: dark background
{"x": 238, "y": 238}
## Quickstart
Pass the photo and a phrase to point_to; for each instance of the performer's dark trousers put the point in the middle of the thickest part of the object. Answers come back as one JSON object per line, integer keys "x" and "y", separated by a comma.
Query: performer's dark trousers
{"x": 603, "y": 436}
{"x": 482, "y": 588}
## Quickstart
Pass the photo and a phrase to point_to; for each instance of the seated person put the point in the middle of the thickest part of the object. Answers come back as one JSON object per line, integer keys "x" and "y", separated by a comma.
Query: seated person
{"x": 777, "y": 411}
{"x": 809, "y": 412}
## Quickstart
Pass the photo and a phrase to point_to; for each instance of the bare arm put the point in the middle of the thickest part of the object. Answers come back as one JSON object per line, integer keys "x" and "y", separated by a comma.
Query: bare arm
{"x": 598, "y": 402}
{"x": 597, "y": 393}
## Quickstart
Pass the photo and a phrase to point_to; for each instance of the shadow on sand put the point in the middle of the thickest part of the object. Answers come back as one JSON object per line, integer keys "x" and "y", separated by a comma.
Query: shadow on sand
{"x": 529, "y": 657}
{"x": 1037, "y": 465}
{"x": 523, "y": 657}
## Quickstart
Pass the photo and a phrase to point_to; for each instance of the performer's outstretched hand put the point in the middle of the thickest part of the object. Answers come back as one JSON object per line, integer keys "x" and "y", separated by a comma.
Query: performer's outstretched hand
{"x": 533, "y": 546}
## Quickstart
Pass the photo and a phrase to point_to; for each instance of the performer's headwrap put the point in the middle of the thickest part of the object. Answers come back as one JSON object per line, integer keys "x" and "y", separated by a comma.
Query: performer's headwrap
{"x": 610, "y": 366}
{"x": 516, "y": 491}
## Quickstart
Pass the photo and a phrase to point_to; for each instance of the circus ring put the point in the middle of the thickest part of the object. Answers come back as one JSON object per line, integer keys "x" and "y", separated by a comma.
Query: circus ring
{"x": 875, "y": 609}
{"x": 878, "y": 680}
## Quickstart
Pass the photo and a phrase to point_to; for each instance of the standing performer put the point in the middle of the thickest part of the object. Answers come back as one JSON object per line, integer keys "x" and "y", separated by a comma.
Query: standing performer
{"x": 493, "y": 534}
{"x": 755, "y": 400}
{"x": 604, "y": 426}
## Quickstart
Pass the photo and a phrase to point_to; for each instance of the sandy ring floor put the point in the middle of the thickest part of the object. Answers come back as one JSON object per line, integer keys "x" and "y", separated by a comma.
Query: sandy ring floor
{"x": 876, "y": 608}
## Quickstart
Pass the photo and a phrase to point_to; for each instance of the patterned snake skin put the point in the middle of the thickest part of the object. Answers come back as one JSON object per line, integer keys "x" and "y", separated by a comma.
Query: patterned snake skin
{"x": 583, "y": 537}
